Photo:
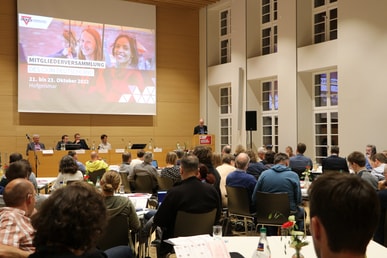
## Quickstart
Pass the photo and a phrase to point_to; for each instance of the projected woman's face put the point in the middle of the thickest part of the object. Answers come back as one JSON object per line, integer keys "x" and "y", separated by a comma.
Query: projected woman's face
{"x": 122, "y": 52}
{"x": 88, "y": 45}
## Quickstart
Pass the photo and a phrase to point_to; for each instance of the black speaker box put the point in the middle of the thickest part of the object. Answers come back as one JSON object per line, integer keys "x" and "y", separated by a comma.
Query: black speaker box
{"x": 251, "y": 120}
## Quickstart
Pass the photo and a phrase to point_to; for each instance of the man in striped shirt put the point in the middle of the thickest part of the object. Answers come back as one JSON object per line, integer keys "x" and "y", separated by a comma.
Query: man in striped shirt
{"x": 15, "y": 225}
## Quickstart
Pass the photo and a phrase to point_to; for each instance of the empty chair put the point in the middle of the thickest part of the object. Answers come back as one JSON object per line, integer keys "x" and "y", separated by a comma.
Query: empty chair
{"x": 238, "y": 204}
{"x": 190, "y": 224}
{"x": 144, "y": 184}
{"x": 93, "y": 176}
{"x": 273, "y": 209}
{"x": 165, "y": 183}
{"x": 116, "y": 233}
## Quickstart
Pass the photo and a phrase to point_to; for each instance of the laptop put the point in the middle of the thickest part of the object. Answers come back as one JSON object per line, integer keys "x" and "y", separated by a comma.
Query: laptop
{"x": 138, "y": 146}
{"x": 155, "y": 164}
{"x": 72, "y": 146}
{"x": 160, "y": 196}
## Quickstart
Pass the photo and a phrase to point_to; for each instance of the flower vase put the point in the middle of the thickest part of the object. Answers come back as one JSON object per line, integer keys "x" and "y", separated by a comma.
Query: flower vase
{"x": 298, "y": 254}
{"x": 306, "y": 182}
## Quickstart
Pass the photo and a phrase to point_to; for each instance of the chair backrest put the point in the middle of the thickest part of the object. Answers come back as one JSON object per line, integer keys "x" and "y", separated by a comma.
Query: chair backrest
{"x": 238, "y": 201}
{"x": 190, "y": 224}
{"x": 272, "y": 208}
{"x": 143, "y": 184}
{"x": 165, "y": 183}
{"x": 116, "y": 233}
{"x": 97, "y": 173}
{"x": 125, "y": 182}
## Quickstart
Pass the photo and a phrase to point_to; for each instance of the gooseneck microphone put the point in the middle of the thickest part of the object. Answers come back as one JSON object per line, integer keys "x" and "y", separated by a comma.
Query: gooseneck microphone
{"x": 28, "y": 137}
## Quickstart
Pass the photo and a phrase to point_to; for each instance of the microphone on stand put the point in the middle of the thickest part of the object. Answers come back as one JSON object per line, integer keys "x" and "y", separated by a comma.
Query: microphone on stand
{"x": 28, "y": 137}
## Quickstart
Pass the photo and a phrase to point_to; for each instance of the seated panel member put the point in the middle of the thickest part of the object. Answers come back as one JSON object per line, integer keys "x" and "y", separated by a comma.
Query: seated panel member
{"x": 81, "y": 142}
{"x": 35, "y": 144}
{"x": 201, "y": 128}
{"x": 65, "y": 140}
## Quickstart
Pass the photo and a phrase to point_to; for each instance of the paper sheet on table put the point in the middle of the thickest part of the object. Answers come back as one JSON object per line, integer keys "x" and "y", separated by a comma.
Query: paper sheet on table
{"x": 198, "y": 246}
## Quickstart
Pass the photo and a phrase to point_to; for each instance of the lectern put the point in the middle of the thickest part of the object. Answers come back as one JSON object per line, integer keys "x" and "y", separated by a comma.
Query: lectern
{"x": 204, "y": 139}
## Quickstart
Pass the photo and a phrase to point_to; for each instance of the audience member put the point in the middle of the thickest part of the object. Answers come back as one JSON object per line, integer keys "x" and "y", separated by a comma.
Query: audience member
{"x": 280, "y": 178}
{"x": 239, "y": 177}
{"x": 18, "y": 169}
{"x": 289, "y": 151}
{"x": 255, "y": 168}
{"x": 139, "y": 159}
{"x": 357, "y": 162}
{"x": 261, "y": 153}
{"x": 145, "y": 168}
{"x": 81, "y": 167}
{"x": 90, "y": 45}
{"x": 15, "y": 226}
{"x": 204, "y": 154}
{"x": 378, "y": 162}
{"x": 95, "y": 163}
{"x": 81, "y": 142}
{"x": 216, "y": 159}
{"x": 118, "y": 205}
{"x": 268, "y": 161}
{"x": 382, "y": 185}
{"x": 205, "y": 176}
{"x": 334, "y": 162}
{"x": 35, "y": 144}
{"x": 380, "y": 234}
{"x": 68, "y": 172}
{"x": 180, "y": 154}
{"x": 70, "y": 222}
{"x": 201, "y": 128}
{"x": 64, "y": 141}
{"x": 370, "y": 151}
{"x": 344, "y": 213}
{"x": 300, "y": 163}
{"x": 226, "y": 149}
{"x": 104, "y": 145}
{"x": 228, "y": 162}
{"x": 239, "y": 149}
{"x": 190, "y": 196}
{"x": 125, "y": 166}
{"x": 171, "y": 170}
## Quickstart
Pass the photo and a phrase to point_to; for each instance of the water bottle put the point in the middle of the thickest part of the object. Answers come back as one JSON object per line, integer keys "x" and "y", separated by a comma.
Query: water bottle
{"x": 98, "y": 183}
{"x": 129, "y": 145}
{"x": 263, "y": 250}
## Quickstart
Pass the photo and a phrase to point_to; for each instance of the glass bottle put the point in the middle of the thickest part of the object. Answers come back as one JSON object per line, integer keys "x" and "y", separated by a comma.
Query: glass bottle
{"x": 129, "y": 145}
{"x": 263, "y": 249}
{"x": 98, "y": 183}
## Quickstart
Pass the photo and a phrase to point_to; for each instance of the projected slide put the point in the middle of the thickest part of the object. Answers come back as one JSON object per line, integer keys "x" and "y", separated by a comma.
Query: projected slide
{"x": 85, "y": 66}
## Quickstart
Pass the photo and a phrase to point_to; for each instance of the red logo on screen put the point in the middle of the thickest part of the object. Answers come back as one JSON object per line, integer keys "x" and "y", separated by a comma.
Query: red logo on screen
{"x": 26, "y": 19}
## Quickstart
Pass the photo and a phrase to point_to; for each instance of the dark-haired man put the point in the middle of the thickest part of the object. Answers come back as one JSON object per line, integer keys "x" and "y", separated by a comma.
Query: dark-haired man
{"x": 299, "y": 162}
{"x": 334, "y": 163}
{"x": 344, "y": 213}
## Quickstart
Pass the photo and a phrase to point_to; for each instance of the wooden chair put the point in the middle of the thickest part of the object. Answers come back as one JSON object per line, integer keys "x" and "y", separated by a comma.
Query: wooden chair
{"x": 238, "y": 204}
{"x": 125, "y": 182}
{"x": 165, "y": 183}
{"x": 116, "y": 233}
{"x": 273, "y": 209}
{"x": 144, "y": 184}
{"x": 95, "y": 174}
{"x": 190, "y": 224}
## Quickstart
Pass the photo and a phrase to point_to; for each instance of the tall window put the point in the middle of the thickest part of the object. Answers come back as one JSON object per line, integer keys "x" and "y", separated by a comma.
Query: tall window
{"x": 269, "y": 26}
{"x": 325, "y": 113}
{"x": 270, "y": 113}
{"x": 225, "y": 36}
{"x": 325, "y": 20}
{"x": 225, "y": 116}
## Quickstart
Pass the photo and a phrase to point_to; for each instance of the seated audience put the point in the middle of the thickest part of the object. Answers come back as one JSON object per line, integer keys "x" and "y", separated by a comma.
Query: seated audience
{"x": 357, "y": 162}
{"x": 70, "y": 222}
{"x": 280, "y": 178}
{"x": 68, "y": 171}
{"x": 239, "y": 177}
{"x": 261, "y": 154}
{"x": 204, "y": 175}
{"x": 95, "y": 163}
{"x": 226, "y": 149}
{"x": 369, "y": 152}
{"x": 190, "y": 196}
{"x": 180, "y": 154}
{"x": 289, "y": 151}
{"x": 81, "y": 142}
{"x": 139, "y": 159}
{"x": 81, "y": 167}
{"x": 216, "y": 159}
{"x": 300, "y": 163}
{"x": 15, "y": 157}
{"x": 239, "y": 149}
{"x": 334, "y": 162}
{"x": 344, "y": 212}
{"x": 378, "y": 162}
{"x": 228, "y": 162}
{"x": 15, "y": 226}
{"x": 268, "y": 160}
{"x": 145, "y": 168}
{"x": 171, "y": 170}
{"x": 255, "y": 168}
{"x": 18, "y": 169}
{"x": 104, "y": 145}
{"x": 125, "y": 166}
{"x": 35, "y": 144}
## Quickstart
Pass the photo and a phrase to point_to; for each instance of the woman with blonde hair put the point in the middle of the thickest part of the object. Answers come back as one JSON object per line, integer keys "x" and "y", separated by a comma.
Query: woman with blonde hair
{"x": 171, "y": 170}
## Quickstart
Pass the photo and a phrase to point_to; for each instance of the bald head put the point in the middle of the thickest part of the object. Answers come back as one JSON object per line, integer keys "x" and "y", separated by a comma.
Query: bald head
{"x": 19, "y": 193}
{"x": 94, "y": 155}
{"x": 242, "y": 161}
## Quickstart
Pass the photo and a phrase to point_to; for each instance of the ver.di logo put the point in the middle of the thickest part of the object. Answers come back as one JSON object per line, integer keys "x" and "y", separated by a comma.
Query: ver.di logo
{"x": 26, "y": 19}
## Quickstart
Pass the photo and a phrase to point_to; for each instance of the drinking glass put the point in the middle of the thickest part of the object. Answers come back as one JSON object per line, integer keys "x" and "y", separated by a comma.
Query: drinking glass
{"x": 217, "y": 232}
